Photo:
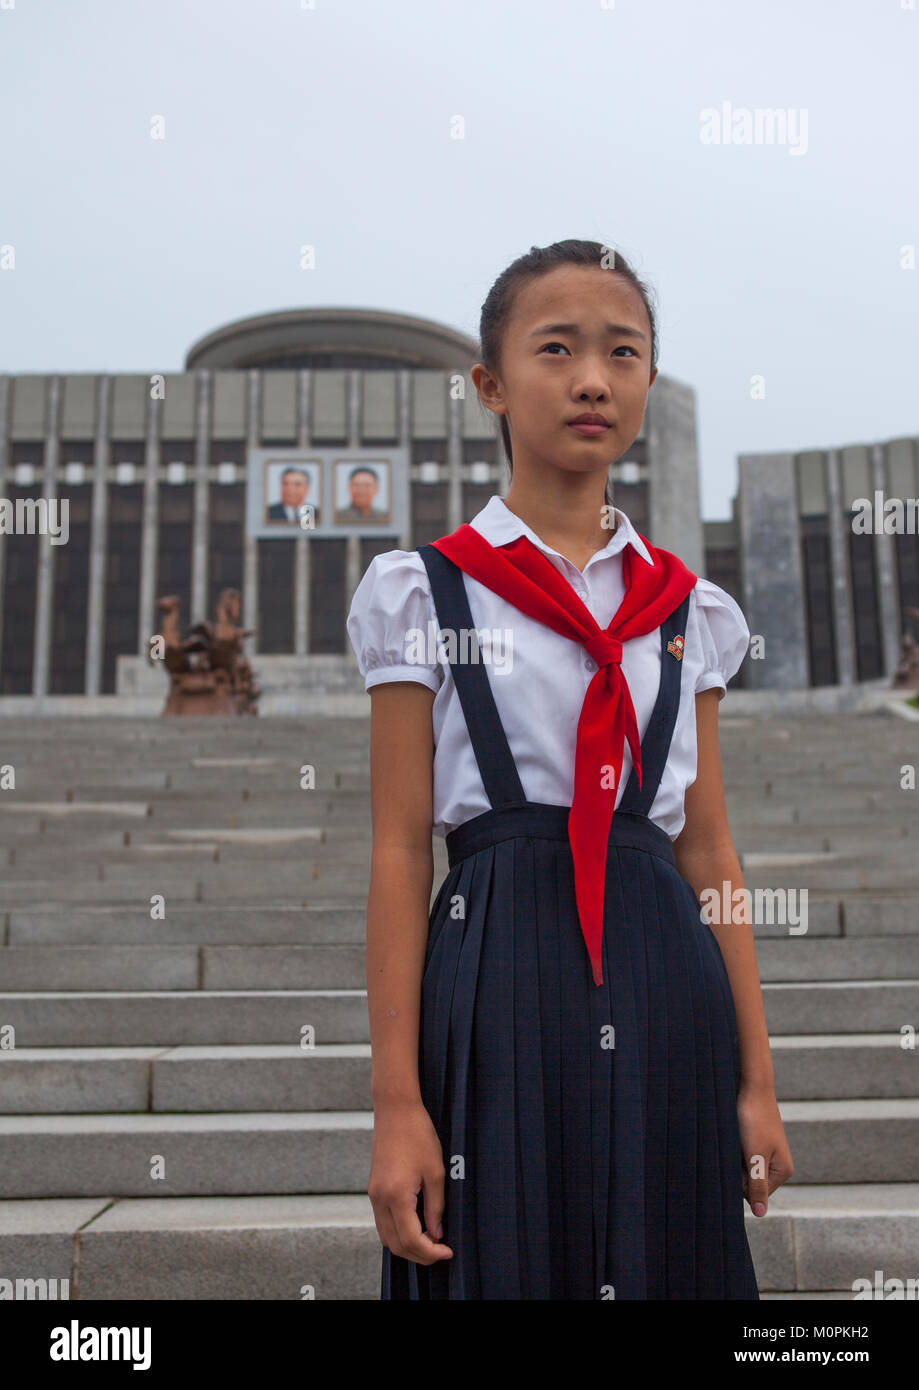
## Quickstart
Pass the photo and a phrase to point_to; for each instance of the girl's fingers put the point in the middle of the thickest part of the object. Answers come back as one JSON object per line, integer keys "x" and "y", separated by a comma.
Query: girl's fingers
{"x": 756, "y": 1182}
{"x": 385, "y": 1228}
{"x": 413, "y": 1243}
{"x": 434, "y": 1206}
{"x": 781, "y": 1169}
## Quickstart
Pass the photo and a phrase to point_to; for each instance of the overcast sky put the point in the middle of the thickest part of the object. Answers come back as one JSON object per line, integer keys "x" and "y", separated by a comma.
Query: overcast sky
{"x": 333, "y": 127}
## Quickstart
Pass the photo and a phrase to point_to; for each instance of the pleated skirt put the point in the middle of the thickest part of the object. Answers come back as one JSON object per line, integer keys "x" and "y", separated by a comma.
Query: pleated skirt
{"x": 589, "y": 1133}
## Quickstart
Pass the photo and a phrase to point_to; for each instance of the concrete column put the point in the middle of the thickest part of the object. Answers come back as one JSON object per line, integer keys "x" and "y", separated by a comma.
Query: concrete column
{"x": 95, "y": 603}
{"x": 301, "y": 544}
{"x": 44, "y": 590}
{"x": 675, "y": 521}
{"x": 772, "y": 580}
{"x": 885, "y": 560}
{"x": 250, "y": 544}
{"x": 6, "y": 401}
{"x": 843, "y": 621}
{"x": 454, "y": 459}
{"x": 304, "y": 400}
{"x": 352, "y": 543}
{"x": 404, "y": 425}
{"x": 149, "y": 527}
{"x": 353, "y": 409}
{"x": 201, "y": 503}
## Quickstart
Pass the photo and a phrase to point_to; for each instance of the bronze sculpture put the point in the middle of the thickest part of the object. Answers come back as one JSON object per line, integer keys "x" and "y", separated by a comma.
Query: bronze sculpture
{"x": 207, "y": 669}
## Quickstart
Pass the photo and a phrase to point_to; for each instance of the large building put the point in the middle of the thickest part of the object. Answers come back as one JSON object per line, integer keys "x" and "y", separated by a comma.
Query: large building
{"x": 172, "y": 483}
{"x": 829, "y": 557}
{"x": 193, "y": 481}
{"x": 822, "y": 553}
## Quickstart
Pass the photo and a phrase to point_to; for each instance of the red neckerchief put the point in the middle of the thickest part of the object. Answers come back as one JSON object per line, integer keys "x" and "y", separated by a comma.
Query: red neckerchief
{"x": 524, "y": 575}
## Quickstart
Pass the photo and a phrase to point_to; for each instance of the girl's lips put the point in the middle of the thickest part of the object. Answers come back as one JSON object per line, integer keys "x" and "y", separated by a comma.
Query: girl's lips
{"x": 589, "y": 431}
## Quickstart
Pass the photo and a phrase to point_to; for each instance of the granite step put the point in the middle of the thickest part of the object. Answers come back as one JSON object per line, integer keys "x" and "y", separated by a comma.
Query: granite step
{"x": 814, "y": 1244}
{"x": 336, "y": 1076}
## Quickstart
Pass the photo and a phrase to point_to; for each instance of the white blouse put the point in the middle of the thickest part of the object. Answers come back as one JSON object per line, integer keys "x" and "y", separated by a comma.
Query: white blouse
{"x": 539, "y": 686}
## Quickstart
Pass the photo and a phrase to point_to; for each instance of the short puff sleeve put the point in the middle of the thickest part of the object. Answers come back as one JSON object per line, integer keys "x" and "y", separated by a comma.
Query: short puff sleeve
{"x": 388, "y": 623}
{"x": 724, "y": 634}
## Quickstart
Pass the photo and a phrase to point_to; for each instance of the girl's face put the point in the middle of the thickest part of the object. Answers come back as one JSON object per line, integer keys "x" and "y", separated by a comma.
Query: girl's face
{"x": 578, "y": 341}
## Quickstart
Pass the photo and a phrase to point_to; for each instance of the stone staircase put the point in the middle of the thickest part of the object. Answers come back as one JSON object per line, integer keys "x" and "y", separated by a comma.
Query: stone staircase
{"x": 185, "y": 1113}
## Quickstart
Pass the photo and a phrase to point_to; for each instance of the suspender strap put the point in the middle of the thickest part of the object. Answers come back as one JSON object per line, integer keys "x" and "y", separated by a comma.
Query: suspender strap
{"x": 655, "y": 746}
{"x": 486, "y": 732}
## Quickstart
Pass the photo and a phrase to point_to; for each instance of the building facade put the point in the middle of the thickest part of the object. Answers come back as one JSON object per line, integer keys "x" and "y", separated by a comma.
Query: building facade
{"x": 156, "y": 471}
{"x": 825, "y": 580}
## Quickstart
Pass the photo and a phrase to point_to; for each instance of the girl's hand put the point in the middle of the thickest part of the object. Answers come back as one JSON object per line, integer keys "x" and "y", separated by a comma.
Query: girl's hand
{"x": 767, "y": 1157}
{"x": 407, "y": 1157}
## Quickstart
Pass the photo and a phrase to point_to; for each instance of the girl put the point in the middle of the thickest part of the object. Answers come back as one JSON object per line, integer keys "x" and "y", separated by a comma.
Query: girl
{"x": 572, "y": 1083}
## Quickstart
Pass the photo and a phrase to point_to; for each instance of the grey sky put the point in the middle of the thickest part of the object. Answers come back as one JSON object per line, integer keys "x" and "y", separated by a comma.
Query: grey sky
{"x": 331, "y": 127}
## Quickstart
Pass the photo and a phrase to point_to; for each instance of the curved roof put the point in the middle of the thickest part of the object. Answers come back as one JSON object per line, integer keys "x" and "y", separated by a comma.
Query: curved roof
{"x": 361, "y": 338}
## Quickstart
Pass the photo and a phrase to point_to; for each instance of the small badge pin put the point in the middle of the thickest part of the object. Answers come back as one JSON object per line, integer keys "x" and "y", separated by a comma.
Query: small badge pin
{"x": 675, "y": 647}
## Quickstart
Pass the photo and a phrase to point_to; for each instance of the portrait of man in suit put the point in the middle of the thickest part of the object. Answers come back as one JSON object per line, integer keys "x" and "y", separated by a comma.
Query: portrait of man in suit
{"x": 296, "y": 505}
{"x": 363, "y": 486}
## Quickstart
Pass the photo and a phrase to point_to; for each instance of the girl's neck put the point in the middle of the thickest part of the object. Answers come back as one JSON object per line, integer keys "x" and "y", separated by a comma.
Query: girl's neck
{"x": 575, "y": 529}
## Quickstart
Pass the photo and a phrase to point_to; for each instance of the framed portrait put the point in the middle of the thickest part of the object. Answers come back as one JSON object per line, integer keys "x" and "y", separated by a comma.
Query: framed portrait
{"x": 362, "y": 492}
{"x": 292, "y": 493}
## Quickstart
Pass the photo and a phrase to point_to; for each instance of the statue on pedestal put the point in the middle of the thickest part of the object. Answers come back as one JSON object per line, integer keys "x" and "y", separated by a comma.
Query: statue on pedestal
{"x": 207, "y": 669}
{"x": 906, "y": 676}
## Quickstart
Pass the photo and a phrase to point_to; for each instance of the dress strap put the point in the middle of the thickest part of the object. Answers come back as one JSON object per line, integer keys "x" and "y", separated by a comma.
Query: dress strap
{"x": 655, "y": 746}
{"x": 486, "y": 732}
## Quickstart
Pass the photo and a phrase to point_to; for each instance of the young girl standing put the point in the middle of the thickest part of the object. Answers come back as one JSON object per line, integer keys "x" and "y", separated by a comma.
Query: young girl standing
{"x": 572, "y": 1083}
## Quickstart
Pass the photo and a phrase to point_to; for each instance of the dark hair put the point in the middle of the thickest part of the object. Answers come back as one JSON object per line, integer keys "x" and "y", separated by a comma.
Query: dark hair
{"x": 537, "y": 261}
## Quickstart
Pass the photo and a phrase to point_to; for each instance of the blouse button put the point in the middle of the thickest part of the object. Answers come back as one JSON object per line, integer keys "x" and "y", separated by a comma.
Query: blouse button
{"x": 590, "y": 664}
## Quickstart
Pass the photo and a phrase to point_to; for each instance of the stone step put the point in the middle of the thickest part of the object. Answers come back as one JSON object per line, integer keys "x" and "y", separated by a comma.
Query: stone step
{"x": 115, "y": 1018}
{"x": 190, "y": 883}
{"x": 199, "y": 1079}
{"x": 841, "y": 873}
{"x": 891, "y": 915}
{"x": 342, "y": 966}
{"x": 179, "y": 882}
{"x": 815, "y": 1243}
{"x": 846, "y": 1141}
{"x": 267, "y": 849}
{"x": 336, "y": 1076}
{"x": 841, "y": 1006}
{"x": 195, "y": 869}
{"x": 138, "y": 1155}
{"x": 178, "y": 967}
{"x": 321, "y": 916}
{"x": 797, "y": 959}
{"x": 840, "y": 1066}
{"x": 276, "y": 1247}
{"x": 321, "y": 920}
{"x": 828, "y": 1236}
{"x": 834, "y": 1141}
{"x": 163, "y": 1018}
{"x": 83, "y": 1080}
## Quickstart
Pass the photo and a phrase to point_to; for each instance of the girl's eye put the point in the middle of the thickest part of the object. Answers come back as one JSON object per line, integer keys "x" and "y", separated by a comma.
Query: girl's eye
{"x": 624, "y": 348}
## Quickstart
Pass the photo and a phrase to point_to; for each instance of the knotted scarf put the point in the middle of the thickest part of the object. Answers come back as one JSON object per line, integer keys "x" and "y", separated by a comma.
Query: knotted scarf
{"x": 523, "y": 574}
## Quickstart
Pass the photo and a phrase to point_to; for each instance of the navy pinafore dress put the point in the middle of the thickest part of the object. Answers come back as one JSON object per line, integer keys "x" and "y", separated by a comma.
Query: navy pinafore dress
{"x": 589, "y": 1133}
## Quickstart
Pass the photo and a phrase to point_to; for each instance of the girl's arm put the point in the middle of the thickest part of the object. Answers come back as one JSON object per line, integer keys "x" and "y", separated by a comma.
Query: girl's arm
{"x": 401, "y": 876}
{"x": 706, "y": 857}
{"x": 406, "y": 1151}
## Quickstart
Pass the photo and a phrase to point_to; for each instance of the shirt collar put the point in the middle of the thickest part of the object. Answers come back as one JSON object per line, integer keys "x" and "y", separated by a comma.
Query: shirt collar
{"x": 498, "y": 524}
